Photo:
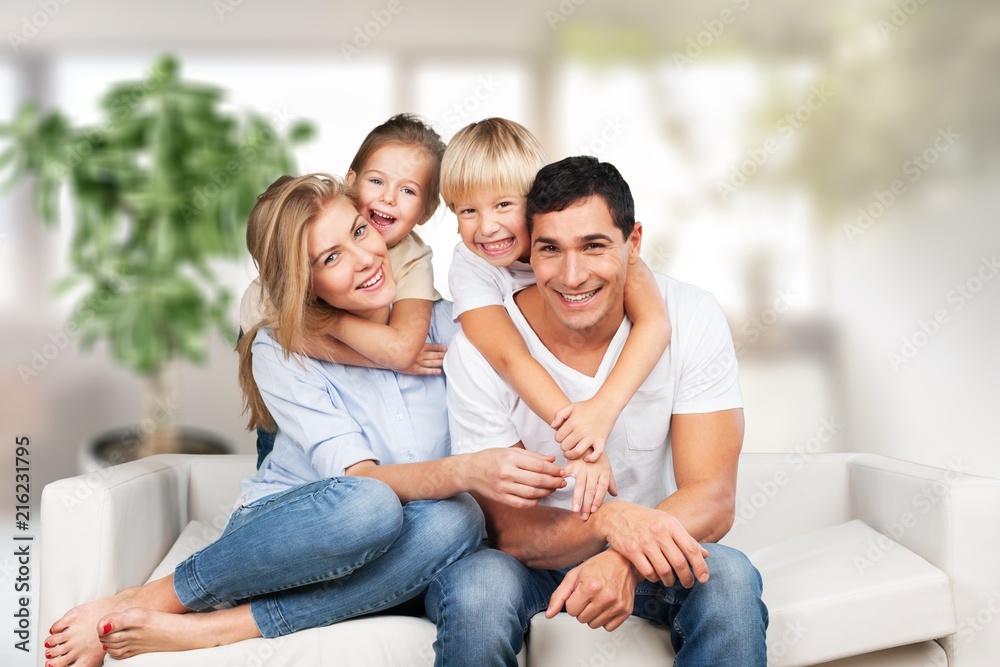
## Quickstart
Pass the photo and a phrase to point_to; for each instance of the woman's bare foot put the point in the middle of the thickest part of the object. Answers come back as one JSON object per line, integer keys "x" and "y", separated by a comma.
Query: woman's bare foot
{"x": 73, "y": 640}
{"x": 135, "y": 631}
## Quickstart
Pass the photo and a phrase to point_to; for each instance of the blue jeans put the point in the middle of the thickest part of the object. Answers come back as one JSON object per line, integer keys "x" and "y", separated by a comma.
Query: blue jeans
{"x": 483, "y": 603}
{"x": 328, "y": 551}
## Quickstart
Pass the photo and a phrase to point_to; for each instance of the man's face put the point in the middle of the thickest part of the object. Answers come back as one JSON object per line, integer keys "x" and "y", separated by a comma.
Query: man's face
{"x": 580, "y": 261}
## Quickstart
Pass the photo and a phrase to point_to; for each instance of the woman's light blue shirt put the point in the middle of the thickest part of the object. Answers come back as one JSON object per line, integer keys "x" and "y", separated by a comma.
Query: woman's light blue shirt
{"x": 331, "y": 416}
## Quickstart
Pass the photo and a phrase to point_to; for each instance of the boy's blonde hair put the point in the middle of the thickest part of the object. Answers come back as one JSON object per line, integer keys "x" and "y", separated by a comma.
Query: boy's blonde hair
{"x": 495, "y": 155}
{"x": 278, "y": 239}
{"x": 406, "y": 129}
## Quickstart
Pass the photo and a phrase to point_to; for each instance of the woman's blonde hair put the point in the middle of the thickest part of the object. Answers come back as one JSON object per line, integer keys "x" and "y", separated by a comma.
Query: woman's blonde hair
{"x": 495, "y": 155}
{"x": 277, "y": 238}
{"x": 406, "y": 129}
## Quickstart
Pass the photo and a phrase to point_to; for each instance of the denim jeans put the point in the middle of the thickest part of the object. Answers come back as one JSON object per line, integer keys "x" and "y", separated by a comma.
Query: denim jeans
{"x": 483, "y": 603}
{"x": 328, "y": 551}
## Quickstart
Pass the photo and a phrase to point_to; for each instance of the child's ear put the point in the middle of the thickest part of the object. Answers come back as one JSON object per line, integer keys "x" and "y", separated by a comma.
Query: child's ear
{"x": 350, "y": 178}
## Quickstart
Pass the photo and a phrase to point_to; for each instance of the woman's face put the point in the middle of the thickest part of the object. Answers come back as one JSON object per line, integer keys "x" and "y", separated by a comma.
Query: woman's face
{"x": 348, "y": 262}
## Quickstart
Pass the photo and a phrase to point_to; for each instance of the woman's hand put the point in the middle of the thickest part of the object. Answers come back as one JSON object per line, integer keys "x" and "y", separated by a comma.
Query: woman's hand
{"x": 593, "y": 481}
{"x": 512, "y": 475}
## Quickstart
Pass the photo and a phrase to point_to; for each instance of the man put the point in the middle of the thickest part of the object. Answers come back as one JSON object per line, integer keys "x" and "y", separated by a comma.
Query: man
{"x": 674, "y": 452}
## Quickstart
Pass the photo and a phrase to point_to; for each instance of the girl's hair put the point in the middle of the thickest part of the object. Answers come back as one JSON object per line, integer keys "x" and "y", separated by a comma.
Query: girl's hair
{"x": 406, "y": 129}
{"x": 277, "y": 238}
{"x": 495, "y": 155}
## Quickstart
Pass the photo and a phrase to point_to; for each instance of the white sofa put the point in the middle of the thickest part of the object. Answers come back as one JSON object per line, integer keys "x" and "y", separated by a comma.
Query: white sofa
{"x": 866, "y": 561}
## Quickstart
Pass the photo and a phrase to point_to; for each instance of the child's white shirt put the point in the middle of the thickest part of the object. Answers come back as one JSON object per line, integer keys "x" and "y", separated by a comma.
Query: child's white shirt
{"x": 475, "y": 283}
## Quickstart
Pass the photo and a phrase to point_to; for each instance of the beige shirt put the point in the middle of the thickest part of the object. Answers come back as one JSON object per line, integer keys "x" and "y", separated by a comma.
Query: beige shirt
{"x": 412, "y": 269}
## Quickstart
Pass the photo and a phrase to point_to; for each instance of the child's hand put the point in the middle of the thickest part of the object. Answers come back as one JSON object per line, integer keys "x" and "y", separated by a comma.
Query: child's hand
{"x": 593, "y": 481}
{"x": 428, "y": 361}
{"x": 582, "y": 426}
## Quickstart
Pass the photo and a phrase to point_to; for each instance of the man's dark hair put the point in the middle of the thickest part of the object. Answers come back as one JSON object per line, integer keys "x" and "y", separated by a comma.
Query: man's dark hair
{"x": 571, "y": 180}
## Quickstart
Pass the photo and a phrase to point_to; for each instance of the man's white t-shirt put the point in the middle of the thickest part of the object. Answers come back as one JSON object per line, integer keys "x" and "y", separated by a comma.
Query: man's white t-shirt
{"x": 475, "y": 283}
{"x": 696, "y": 374}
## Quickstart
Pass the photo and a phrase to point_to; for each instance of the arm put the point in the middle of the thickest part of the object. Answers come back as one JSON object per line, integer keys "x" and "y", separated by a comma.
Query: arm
{"x": 588, "y": 424}
{"x": 509, "y": 476}
{"x": 398, "y": 345}
{"x": 492, "y": 332}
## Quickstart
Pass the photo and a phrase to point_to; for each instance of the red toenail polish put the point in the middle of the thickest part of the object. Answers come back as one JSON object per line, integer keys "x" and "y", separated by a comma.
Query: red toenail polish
{"x": 104, "y": 647}
{"x": 47, "y": 645}
{"x": 106, "y": 629}
{"x": 48, "y": 655}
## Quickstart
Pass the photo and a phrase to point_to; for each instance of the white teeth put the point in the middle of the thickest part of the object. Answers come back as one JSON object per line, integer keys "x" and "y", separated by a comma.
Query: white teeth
{"x": 579, "y": 297}
{"x": 375, "y": 279}
{"x": 498, "y": 245}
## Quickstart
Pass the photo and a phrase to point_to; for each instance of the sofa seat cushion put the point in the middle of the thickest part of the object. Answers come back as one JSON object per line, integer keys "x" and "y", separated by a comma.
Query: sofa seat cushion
{"x": 847, "y": 590}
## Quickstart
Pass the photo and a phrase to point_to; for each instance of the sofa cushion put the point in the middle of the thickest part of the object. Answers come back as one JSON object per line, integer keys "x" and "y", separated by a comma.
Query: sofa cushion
{"x": 195, "y": 537}
{"x": 846, "y": 590}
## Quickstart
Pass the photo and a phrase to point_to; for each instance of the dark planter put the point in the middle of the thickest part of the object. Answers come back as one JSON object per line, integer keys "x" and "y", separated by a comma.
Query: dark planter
{"x": 122, "y": 445}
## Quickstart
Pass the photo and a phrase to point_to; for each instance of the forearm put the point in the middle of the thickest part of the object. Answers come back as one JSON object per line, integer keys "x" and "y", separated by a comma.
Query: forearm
{"x": 394, "y": 345}
{"x": 646, "y": 341}
{"x": 492, "y": 332}
{"x": 427, "y": 480}
{"x": 706, "y": 509}
{"x": 328, "y": 348}
{"x": 541, "y": 537}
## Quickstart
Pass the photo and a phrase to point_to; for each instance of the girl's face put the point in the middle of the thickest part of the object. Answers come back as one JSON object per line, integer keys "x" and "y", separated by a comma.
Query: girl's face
{"x": 348, "y": 261}
{"x": 393, "y": 188}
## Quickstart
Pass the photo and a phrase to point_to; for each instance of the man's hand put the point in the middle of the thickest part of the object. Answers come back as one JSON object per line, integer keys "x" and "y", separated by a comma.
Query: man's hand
{"x": 599, "y": 592}
{"x": 593, "y": 481}
{"x": 654, "y": 542}
{"x": 512, "y": 475}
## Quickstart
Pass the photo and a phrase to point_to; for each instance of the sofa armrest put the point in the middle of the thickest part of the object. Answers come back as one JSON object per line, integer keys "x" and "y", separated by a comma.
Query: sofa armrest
{"x": 949, "y": 518}
{"x": 104, "y": 531}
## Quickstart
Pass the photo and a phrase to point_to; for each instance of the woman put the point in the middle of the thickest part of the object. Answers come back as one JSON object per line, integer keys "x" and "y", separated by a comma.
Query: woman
{"x": 358, "y": 506}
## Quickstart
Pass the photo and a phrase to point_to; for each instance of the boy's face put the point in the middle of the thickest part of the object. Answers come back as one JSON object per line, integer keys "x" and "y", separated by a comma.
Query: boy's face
{"x": 393, "y": 190}
{"x": 493, "y": 226}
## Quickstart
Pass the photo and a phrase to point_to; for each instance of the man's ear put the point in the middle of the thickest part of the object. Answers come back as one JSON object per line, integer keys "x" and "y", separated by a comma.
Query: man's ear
{"x": 635, "y": 243}
{"x": 350, "y": 178}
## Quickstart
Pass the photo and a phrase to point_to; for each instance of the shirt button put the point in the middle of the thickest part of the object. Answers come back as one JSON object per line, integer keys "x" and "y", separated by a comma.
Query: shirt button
{"x": 409, "y": 455}
{"x": 399, "y": 416}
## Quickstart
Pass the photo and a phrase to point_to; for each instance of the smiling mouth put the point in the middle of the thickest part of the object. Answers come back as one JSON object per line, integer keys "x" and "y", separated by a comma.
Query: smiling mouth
{"x": 497, "y": 247}
{"x": 373, "y": 281}
{"x": 578, "y": 299}
{"x": 380, "y": 220}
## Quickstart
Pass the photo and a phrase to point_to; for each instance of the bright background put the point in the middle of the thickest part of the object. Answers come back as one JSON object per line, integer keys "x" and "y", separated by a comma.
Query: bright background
{"x": 758, "y": 139}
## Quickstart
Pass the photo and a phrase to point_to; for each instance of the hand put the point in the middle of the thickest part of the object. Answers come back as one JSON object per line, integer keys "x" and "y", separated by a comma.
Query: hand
{"x": 655, "y": 542}
{"x": 512, "y": 475}
{"x": 582, "y": 426}
{"x": 593, "y": 480}
{"x": 599, "y": 592}
{"x": 428, "y": 362}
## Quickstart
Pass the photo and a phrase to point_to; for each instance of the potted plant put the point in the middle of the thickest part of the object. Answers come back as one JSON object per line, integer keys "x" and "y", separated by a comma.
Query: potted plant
{"x": 160, "y": 189}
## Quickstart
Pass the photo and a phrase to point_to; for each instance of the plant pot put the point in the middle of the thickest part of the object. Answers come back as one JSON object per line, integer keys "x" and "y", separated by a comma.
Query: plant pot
{"x": 122, "y": 445}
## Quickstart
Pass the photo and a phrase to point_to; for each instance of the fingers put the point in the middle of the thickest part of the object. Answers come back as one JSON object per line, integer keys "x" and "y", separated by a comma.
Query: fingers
{"x": 561, "y": 416}
{"x": 596, "y": 449}
{"x": 579, "y": 493}
{"x": 600, "y": 490}
{"x": 613, "y": 488}
{"x": 561, "y": 594}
